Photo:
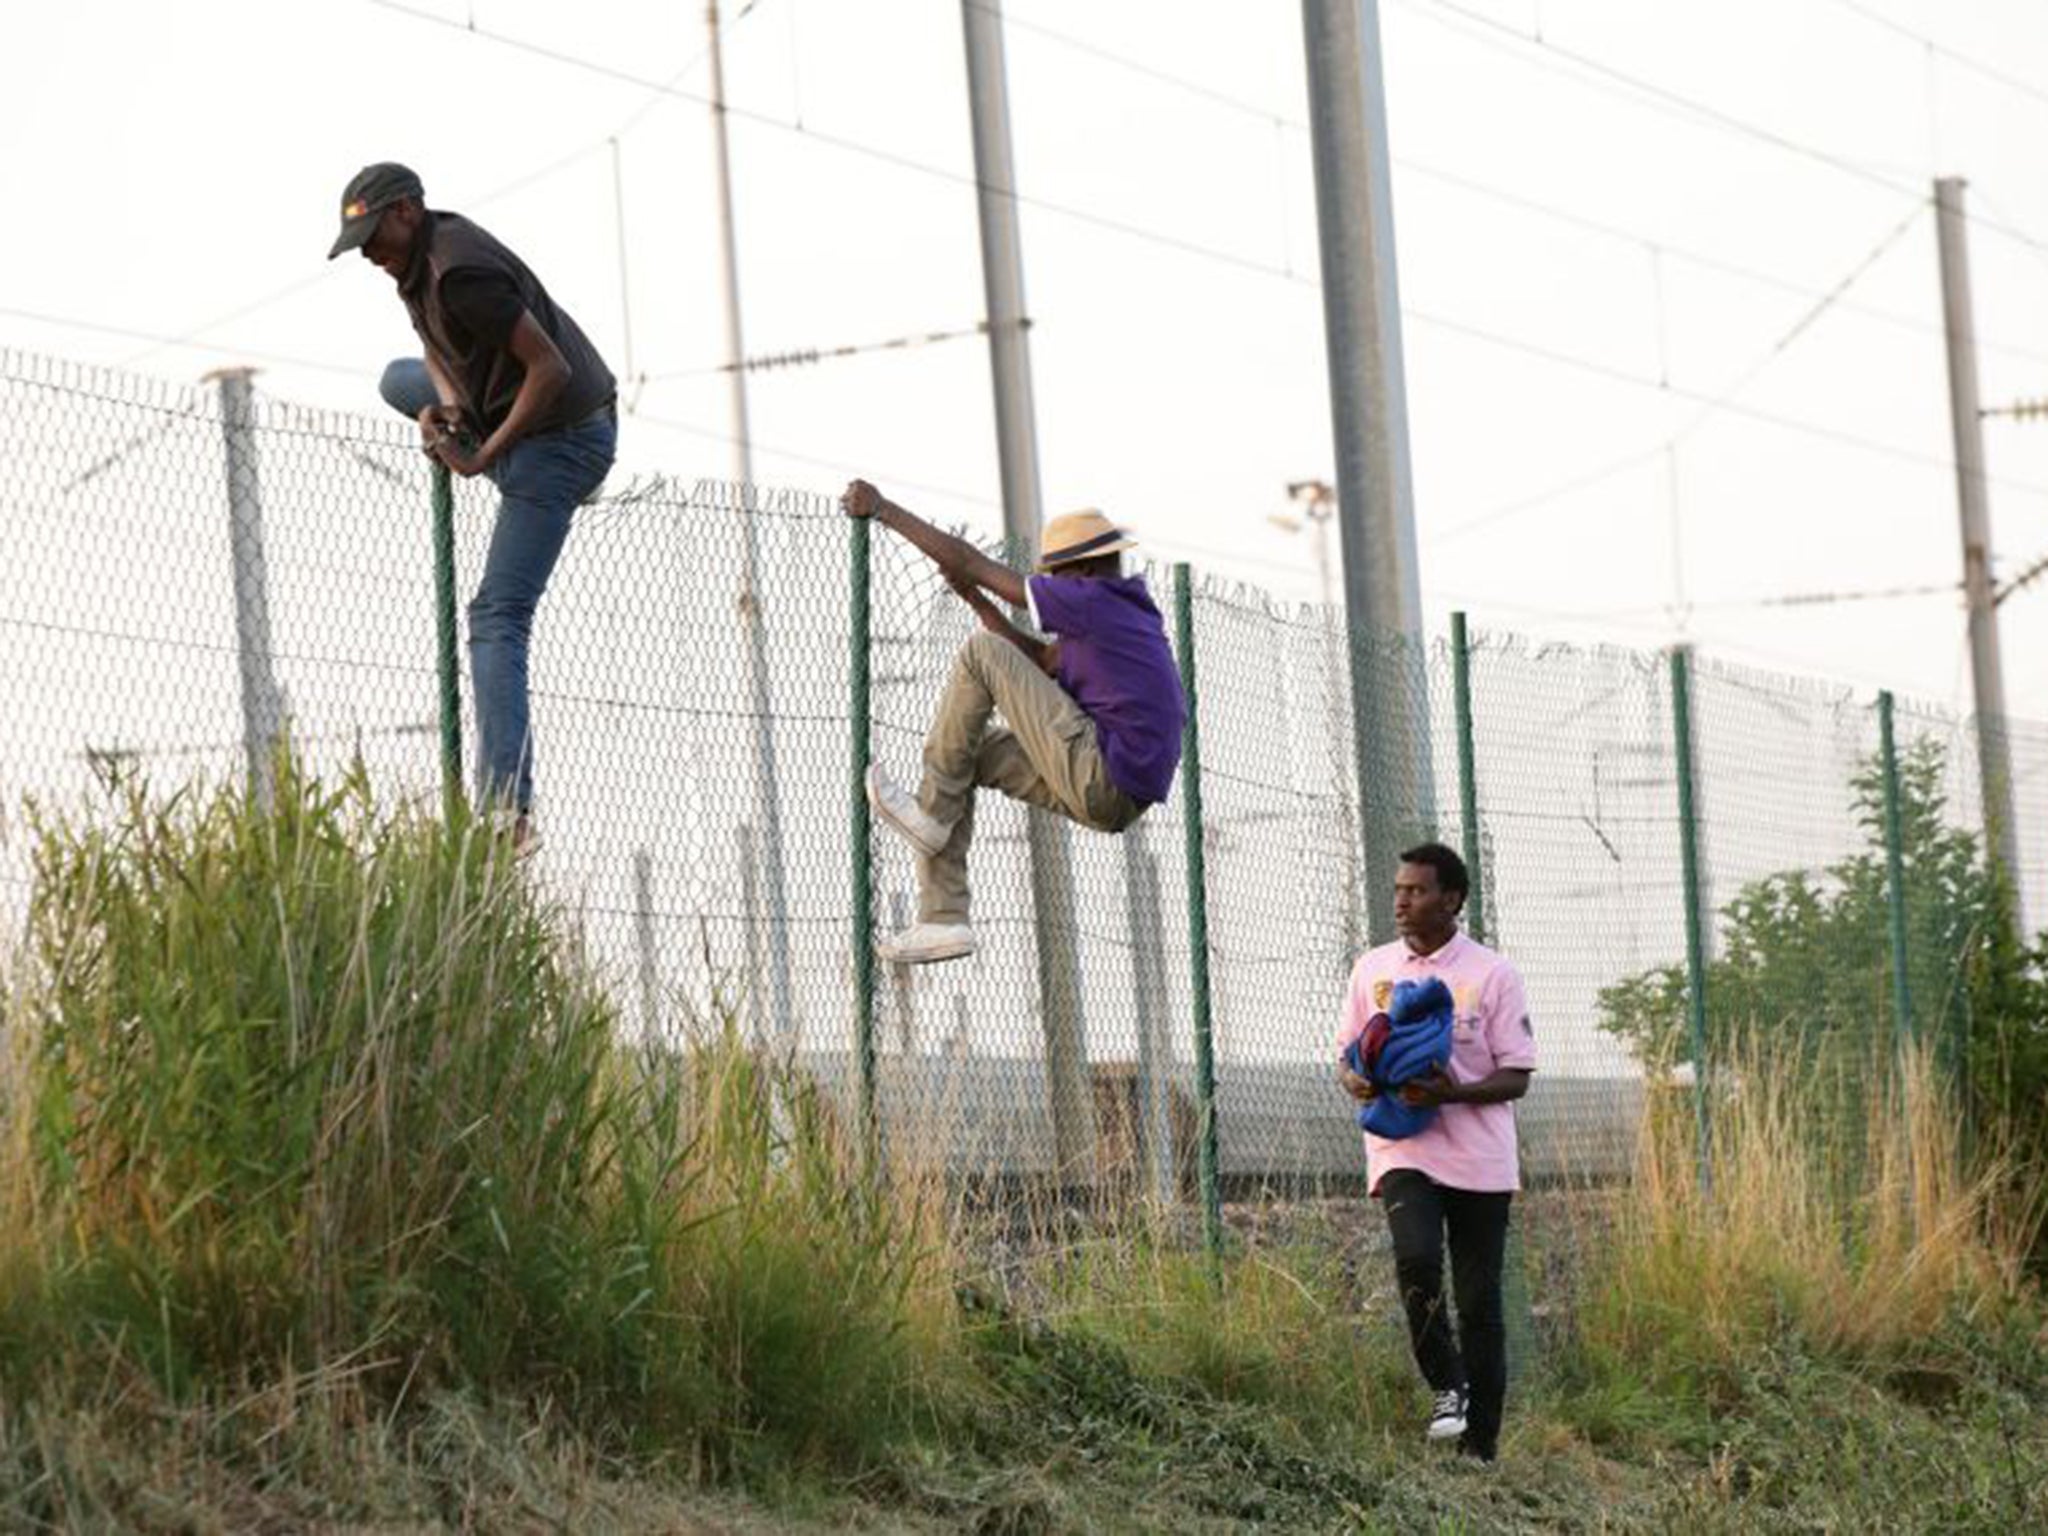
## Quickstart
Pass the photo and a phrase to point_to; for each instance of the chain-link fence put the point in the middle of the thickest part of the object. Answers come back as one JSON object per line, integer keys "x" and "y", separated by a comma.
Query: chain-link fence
{"x": 186, "y": 571}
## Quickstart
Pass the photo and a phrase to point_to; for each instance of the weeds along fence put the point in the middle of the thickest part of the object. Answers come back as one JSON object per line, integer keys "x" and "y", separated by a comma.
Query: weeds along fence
{"x": 1666, "y": 849}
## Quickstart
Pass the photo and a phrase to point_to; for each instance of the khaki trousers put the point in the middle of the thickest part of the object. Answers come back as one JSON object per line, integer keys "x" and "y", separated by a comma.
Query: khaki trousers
{"x": 1048, "y": 757}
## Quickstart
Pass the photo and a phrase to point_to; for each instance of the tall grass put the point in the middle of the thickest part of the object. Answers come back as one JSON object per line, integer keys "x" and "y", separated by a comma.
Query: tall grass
{"x": 320, "y": 1089}
{"x": 319, "y": 1142}
{"x": 1842, "y": 1220}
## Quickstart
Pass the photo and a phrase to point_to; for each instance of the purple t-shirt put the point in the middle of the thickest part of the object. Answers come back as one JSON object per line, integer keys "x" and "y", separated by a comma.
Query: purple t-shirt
{"x": 1116, "y": 663}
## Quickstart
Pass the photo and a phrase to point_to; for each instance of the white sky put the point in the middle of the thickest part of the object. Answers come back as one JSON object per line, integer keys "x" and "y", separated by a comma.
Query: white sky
{"x": 174, "y": 172}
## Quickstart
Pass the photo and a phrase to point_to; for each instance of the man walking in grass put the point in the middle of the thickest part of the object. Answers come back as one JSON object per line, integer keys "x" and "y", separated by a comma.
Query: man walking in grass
{"x": 1091, "y": 720}
{"x": 510, "y": 388}
{"x": 1457, "y": 1175}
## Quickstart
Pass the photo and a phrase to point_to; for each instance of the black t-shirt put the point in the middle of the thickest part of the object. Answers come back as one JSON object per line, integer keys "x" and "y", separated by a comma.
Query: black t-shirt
{"x": 465, "y": 293}
{"x": 484, "y": 303}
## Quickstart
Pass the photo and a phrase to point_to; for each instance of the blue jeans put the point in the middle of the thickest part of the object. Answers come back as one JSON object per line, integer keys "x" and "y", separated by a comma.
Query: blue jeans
{"x": 541, "y": 482}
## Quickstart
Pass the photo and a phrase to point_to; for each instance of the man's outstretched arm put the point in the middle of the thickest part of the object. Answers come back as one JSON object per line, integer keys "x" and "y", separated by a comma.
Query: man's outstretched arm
{"x": 1044, "y": 654}
{"x": 958, "y": 561}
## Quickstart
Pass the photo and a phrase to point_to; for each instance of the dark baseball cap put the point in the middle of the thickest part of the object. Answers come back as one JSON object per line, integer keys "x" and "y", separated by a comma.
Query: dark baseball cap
{"x": 368, "y": 193}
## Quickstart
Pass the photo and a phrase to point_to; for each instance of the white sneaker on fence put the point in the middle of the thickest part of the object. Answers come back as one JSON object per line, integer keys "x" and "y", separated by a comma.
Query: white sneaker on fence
{"x": 900, "y": 810}
{"x": 1448, "y": 1421}
{"x": 927, "y": 944}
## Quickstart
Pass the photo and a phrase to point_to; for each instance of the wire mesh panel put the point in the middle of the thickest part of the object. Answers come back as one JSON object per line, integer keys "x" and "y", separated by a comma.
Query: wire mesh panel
{"x": 1285, "y": 880}
{"x": 188, "y": 573}
{"x": 1577, "y": 806}
{"x": 1792, "y": 822}
{"x": 2028, "y": 740}
{"x": 1946, "y": 851}
{"x": 114, "y": 579}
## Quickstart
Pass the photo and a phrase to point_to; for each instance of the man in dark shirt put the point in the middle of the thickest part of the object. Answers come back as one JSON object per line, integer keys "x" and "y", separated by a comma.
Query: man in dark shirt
{"x": 1093, "y": 718}
{"x": 509, "y": 388}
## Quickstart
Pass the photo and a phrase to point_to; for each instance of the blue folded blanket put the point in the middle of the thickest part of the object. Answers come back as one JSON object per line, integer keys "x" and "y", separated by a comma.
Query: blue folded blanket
{"x": 1418, "y": 1043}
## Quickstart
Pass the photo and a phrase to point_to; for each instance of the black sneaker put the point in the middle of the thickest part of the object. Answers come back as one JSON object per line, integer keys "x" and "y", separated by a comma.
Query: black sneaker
{"x": 1447, "y": 1422}
{"x": 1467, "y": 1446}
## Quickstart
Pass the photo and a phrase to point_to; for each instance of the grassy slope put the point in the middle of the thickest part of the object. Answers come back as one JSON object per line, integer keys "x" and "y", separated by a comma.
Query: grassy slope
{"x": 328, "y": 1198}
{"x": 1079, "y": 1442}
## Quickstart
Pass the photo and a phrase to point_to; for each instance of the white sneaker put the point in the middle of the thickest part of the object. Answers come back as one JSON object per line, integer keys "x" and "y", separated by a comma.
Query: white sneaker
{"x": 901, "y": 811}
{"x": 1448, "y": 1421}
{"x": 928, "y": 943}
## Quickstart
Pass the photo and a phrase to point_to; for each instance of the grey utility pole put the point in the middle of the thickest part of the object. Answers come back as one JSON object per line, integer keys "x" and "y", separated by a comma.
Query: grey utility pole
{"x": 625, "y": 287}
{"x": 767, "y": 790}
{"x": 1002, "y": 266}
{"x": 1318, "y": 502}
{"x": 263, "y": 703}
{"x": 646, "y": 944}
{"x": 1987, "y": 673}
{"x": 1144, "y": 914}
{"x": 1369, "y": 412}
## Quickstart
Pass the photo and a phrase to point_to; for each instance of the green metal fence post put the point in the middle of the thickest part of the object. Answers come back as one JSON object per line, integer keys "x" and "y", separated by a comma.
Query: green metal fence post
{"x": 1895, "y": 873}
{"x": 859, "y": 664}
{"x": 444, "y": 642}
{"x": 1517, "y": 1304}
{"x": 1468, "y": 785}
{"x": 1695, "y": 926}
{"x": 1198, "y": 918}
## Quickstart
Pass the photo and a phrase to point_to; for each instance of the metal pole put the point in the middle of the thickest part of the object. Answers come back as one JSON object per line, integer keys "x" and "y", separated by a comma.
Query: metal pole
{"x": 1002, "y": 264}
{"x": 445, "y": 664}
{"x": 729, "y": 258}
{"x": 1468, "y": 784}
{"x": 625, "y": 288}
{"x": 1695, "y": 925}
{"x": 903, "y": 995}
{"x": 1318, "y": 499}
{"x": 644, "y": 941}
{"x": 1148, "y": 985}
{"x": 1895, "y": 872}
{"x": 1369, "y": 412}
{"x": 1198, "y": 918}
{"x": 860, "y": 663}
{"x": 750, "y": 904}
{"x": 767, "y": 791}
{"x": 1966, "y": 417}
{"x": 263, "y": 707}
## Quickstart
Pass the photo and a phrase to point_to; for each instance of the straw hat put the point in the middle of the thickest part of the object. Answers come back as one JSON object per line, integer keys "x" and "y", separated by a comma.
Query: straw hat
{"x": 1080, "y": 536}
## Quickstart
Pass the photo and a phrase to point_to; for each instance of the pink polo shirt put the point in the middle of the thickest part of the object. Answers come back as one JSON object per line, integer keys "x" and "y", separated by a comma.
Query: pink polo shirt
{"x": 1467, "y": 1146}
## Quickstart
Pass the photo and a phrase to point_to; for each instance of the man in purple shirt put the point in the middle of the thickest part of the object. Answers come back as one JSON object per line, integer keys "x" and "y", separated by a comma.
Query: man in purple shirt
{"x": 1092, "y": 719}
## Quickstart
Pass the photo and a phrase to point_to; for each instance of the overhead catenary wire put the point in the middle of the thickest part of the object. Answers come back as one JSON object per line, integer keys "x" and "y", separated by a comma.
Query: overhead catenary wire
{"x": 803, "y": 357}
{"x": 524, "y": 179}
{"x": 1479, "y": 187}
{"x": 1493, "y": 337}
{"x": 1826, "y": 302}
{"x": 1179, "y": 243}
{"x": 1864, "y": 595}
{"x": 1941, "y": 50}
{"x": 846, "y": 144}
{"x": 1165, "y": 544}
{"x": 1708, "y": 409}
{"x": 1479, "y": 24}
{"x": 133, "y": 333}
{"x": 2019, "y": 410}
{"x": 1819, "y": 430}
{"x": 2029, "y": 573}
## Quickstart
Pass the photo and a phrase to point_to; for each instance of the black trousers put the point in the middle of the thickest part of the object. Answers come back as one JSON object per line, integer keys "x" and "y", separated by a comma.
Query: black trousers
{"x": 1420, "y": 1212}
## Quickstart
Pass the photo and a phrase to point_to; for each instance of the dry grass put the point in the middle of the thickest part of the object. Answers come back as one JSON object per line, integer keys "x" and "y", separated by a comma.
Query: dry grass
{"x": 1841, "y": 1210}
